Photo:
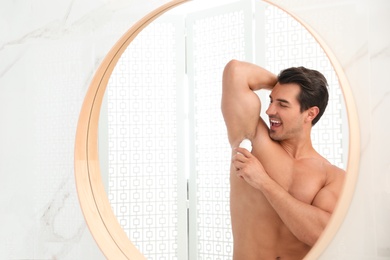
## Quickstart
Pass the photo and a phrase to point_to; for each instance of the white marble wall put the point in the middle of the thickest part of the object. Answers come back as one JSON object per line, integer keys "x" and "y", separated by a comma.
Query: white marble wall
{"x": 48, "y": 53}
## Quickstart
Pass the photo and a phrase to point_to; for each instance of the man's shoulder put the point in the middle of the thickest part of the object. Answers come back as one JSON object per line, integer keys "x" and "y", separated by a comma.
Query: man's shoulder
{"x": 329, "y": 172}
{"x": 330, "y": 169}
{"x": 334, "y": 170}
{"x": 335, "y": 175}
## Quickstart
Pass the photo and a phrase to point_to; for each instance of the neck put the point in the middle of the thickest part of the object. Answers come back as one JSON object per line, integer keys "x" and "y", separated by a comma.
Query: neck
{"x": 299, "y": 147}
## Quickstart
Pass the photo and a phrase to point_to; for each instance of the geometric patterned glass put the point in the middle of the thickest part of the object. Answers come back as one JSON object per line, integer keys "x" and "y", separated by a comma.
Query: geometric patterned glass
{"x": 217, "y": 36}
{"x": 142, "y": 134}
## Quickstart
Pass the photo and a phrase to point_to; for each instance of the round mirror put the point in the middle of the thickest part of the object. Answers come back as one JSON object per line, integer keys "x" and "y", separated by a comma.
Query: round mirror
{"x": 161, "y": 145}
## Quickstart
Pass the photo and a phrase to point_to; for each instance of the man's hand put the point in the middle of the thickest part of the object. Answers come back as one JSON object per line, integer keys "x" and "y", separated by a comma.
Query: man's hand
{"x": 249, "y": 168}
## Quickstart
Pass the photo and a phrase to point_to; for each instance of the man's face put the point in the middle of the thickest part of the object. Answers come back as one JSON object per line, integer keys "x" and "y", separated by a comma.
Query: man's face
{"x": 286, "y": 120}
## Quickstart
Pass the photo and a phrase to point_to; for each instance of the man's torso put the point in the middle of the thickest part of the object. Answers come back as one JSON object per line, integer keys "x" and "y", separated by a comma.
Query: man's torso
{"x": 258, "y": 231}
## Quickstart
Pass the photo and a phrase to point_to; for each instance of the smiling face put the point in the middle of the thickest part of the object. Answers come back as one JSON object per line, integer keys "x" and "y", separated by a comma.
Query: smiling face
{"x": 286, "y": 119}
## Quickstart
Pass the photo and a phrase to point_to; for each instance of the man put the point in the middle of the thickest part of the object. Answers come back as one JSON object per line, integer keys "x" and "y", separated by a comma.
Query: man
{"x": 283, "y": 192}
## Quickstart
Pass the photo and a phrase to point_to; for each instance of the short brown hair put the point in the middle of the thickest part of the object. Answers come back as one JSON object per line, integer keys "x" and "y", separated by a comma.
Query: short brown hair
{"x": 314, "y": 88}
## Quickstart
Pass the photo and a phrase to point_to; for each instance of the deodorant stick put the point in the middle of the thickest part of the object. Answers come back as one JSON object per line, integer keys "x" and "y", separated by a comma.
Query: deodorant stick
{"x": 247, "y": 144}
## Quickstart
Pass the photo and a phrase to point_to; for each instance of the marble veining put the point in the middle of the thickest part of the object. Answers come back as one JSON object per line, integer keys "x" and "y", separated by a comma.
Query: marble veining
{"x": 56, "y": 214}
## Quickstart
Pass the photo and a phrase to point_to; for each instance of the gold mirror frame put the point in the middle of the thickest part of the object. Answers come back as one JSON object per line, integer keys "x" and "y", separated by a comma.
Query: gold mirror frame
{"x": 94, "y": 202}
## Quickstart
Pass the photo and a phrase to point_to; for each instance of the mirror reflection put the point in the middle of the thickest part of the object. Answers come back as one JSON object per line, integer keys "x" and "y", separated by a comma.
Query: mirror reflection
{"x": 163, "y": 143}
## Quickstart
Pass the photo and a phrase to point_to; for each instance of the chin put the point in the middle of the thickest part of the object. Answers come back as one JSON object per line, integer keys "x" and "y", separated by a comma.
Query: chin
{"x": 275, "y": 137}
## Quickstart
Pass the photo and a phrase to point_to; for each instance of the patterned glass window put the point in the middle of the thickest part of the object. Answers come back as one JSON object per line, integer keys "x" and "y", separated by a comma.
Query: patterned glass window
{"x": 143, "y": 141}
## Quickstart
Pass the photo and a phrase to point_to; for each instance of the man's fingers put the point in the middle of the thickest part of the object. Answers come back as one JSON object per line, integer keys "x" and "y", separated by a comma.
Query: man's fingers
{"x": 238, "y": 165}
{"x": 239, "y": 157}
{"x": 243, "y": 151}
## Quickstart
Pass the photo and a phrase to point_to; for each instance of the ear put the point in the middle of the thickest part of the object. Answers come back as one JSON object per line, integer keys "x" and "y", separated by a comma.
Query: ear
{"x": 312, "y": 113}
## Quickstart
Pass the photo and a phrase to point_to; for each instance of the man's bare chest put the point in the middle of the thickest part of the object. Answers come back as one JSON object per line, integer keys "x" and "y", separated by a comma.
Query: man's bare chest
{"x": 303, "y": 181}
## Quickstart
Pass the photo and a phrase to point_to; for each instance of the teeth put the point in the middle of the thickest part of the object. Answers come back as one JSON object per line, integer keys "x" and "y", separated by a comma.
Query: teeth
{"x": 275, "y": 122}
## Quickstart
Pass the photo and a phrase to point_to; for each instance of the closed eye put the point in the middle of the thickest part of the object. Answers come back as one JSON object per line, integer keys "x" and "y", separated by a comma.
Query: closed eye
{"x": 282, "y": 104}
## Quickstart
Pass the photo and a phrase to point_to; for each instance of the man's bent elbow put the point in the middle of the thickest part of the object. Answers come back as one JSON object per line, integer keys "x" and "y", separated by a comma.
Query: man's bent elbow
{"x": 231, "y": 69}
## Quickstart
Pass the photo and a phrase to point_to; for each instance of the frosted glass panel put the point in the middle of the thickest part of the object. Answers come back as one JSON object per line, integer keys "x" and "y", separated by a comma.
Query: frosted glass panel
{"x": 217, "y": 37}
{"x": 143, "y": 140}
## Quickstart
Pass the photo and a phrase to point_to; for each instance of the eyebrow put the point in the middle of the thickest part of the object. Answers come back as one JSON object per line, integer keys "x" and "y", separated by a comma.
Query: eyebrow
{"x": 280, "y": 100}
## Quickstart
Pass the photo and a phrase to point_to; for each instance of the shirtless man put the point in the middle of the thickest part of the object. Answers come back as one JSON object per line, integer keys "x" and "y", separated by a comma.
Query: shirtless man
{"x": 284, "y": 192}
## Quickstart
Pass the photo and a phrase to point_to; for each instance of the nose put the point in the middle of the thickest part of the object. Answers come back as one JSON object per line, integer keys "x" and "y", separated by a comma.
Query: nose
{"x": 270, "y": 110}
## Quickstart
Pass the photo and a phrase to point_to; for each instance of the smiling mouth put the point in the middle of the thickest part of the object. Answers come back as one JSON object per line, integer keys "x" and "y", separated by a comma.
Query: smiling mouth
{"x": 275, "y": 123}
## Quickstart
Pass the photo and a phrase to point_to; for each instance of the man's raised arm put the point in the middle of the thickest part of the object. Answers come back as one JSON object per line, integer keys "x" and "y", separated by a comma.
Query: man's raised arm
{"x": 240, "y": 105}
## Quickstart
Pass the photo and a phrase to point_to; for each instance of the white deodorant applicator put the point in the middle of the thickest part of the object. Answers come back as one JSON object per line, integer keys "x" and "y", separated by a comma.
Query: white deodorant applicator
{"x": 247, "y": 144}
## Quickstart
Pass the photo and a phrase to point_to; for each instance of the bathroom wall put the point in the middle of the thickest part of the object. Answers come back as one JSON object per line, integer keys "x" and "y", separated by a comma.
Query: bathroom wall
{"x": 49, "y": 51}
